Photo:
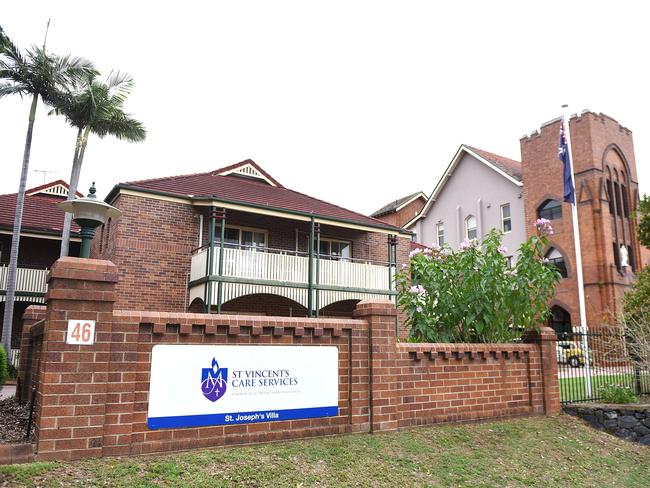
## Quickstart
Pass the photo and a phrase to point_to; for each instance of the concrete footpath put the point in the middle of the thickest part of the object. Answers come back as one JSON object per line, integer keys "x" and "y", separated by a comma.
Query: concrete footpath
{"x": 7, "y": 391}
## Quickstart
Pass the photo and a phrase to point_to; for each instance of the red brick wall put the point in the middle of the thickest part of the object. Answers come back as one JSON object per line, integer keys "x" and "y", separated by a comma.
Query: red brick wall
{"x": 30, "y": 351}
{"x": 592, "y": 135}
{"x": 92, "y": 400}
{"x": 152, "y": 241}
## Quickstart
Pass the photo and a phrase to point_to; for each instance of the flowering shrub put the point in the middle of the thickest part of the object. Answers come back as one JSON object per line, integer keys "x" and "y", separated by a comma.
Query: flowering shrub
{"x": 472, "y": 295}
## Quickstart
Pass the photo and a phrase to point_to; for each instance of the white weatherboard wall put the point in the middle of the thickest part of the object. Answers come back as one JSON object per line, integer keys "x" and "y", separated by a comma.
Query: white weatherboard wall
{"x": 264, "y": 383}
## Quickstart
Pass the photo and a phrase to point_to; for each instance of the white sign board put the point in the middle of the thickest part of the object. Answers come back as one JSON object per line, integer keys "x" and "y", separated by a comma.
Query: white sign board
{"x": 81, "y": 332}
{"x": 195, "y": 385}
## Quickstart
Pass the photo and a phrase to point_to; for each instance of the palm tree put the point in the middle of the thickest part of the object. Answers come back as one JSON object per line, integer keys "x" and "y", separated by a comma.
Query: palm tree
{"x": 35, "y": 73}
{"x": 96, "y": 108}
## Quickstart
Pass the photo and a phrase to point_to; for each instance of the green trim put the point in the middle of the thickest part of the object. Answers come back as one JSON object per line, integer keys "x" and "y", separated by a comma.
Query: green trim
{"x": 288, "y": 284}
{"x": 221, "y": 244}
{"x": 215, "y": 198}
{"x": 310, "y": 270}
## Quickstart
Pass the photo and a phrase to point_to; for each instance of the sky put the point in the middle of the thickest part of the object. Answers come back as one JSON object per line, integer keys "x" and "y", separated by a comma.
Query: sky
{"x": 357, "y": 103}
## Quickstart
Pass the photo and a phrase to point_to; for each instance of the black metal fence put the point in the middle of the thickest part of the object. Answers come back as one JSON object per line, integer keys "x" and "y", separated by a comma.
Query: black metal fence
{"x": 589, "y": 362}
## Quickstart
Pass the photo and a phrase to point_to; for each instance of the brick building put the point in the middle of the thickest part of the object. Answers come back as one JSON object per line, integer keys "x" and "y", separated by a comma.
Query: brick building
{"x": 40, "y": 245}
{"x": 607, "y": 194}
{"x": 169, "y": 249}
{"x": 470, "y": 197}
{"x": 401, "y": 210}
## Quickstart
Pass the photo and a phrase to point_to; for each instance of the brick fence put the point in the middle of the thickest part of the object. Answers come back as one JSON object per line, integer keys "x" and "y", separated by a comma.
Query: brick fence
{"x": 92, "y": 400}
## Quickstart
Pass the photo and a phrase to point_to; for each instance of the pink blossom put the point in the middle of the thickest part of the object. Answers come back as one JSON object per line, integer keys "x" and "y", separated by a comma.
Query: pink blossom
{"x": 419, "y": 309}
{"x": 417, "y": 289}
{"x": 466, "y": 244}
{"x": 502, "y": 249}
{"x": 544, "y": 227}
{"x": 414, "y": 253}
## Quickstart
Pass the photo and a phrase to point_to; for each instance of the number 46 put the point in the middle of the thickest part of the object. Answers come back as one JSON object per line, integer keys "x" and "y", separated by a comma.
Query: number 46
{"x": 81, "y": 332}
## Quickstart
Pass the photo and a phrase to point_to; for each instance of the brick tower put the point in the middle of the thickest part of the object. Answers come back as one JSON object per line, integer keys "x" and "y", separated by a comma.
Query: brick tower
{"x": 607, "y": 194}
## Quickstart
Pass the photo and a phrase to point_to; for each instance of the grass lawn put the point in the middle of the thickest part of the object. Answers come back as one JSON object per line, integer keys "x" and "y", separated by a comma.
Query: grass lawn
{"x": 540, "y": 451}
{"x": 573, "y": 389}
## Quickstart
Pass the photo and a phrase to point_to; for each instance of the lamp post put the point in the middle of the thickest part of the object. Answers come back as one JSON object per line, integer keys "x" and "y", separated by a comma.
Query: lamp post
{"x": 89, "y": 213}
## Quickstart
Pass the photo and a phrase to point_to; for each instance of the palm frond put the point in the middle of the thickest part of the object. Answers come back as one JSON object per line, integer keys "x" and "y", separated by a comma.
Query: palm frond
{"x": 11, "y": 89}
{"x": 9, "y": 49}
{"x": 122, "y": 126}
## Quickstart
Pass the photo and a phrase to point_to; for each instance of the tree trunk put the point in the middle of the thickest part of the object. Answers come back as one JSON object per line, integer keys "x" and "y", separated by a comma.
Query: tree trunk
{"x": 15, "y": 238}
{"x": 74, "y": 182}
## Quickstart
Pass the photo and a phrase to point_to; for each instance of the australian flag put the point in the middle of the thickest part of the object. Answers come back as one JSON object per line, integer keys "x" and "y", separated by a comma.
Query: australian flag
{"x": 563, "y": 155}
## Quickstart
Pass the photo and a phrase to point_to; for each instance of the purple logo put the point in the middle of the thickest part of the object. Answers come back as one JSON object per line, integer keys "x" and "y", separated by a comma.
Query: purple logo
{"x": 214, "y": 381}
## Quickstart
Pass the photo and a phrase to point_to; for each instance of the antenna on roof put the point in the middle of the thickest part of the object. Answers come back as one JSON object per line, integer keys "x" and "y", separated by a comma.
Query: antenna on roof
{"x": 45, "y": 172}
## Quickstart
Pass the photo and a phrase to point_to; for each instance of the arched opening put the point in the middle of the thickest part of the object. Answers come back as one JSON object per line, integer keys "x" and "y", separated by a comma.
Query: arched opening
{"x": 550, "y": 209}
{"x": 197, "y": 306}
{"x": 264, "y": 304}
{"x": 470, "y": 227}
{"x": 560, "y": 322}
{"x": 342, "y": 308}
{"x": 555, "y": 258}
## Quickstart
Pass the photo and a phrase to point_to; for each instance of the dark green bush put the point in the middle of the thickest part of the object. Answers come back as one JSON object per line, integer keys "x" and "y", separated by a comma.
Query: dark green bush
{"x": 3, "y": 366}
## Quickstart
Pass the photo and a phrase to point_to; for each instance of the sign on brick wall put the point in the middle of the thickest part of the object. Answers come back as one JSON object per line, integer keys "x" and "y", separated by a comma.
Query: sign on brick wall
{"x": 81, "y": 332}
{"x": 196, "y": 385}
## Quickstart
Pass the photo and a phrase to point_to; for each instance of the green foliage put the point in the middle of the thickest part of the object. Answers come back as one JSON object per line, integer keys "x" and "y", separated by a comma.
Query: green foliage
{"x": 617, "y": 394}
{"x": 636, "y": 302}
{"x": 472, "y": 295}
{"x": 644, "y": 221}
{"x": 3, "y": 366}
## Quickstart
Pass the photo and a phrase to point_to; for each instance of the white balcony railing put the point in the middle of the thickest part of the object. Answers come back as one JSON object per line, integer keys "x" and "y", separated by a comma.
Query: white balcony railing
{"x": 286, "y": 269}
{"x": 31, "y": 284}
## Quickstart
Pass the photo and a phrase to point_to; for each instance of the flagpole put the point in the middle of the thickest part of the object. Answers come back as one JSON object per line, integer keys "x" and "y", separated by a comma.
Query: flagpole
{"x": 576, "y": 242}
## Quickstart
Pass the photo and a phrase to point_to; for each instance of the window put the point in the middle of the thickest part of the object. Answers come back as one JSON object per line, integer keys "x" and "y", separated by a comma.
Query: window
{"x": 617, "y": 256}
{"x": 470, "y": 227}
{"x": 550, "y": 209}
{"x": 556, "y": 259}
{"x": 440, "y": 233}
{"x": 241, "y": 238}
{"x": 626, "y": 202}
{"x": 506, "y": 221}
{"x": 509, "y": 261}
{"x": 334, "y": 250}
{"x": 560, "y": 322}
{"x": 610, "y": 195}
{"x": 617, "y": 195}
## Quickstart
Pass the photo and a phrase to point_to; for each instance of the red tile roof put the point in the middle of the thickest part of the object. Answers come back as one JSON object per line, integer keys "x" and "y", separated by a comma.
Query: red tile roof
{"x": 249, "y": 191}
{"x": 40, "y": 213}
{"x": 510, "y": 166}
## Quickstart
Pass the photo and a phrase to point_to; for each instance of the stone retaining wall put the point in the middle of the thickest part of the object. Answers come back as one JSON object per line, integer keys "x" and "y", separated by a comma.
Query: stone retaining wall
{"x": 631, "y": 422}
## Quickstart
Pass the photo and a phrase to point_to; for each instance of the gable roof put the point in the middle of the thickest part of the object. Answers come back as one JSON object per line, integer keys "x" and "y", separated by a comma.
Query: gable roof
{"x": 224, "y": 185}
{"x": 506, "y": 167}
{"x": 57, "y": 188}
{"x": 398, "y": 204}
{"x": 41, "y": 215}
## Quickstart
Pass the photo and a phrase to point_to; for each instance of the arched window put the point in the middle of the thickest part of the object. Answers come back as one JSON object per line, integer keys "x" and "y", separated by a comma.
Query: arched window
{"x": 560, "y": 322}
{"x": 556, "y": 259}
{"x": 550, "y": 209}
{"x": 470, "y": 227}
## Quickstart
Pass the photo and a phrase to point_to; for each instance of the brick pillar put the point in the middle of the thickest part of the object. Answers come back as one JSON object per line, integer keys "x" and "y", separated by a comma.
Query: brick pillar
{"x": 546, "y": 339}
{"x": 72, "y": 386}
{"x": 26, "y": 367}
{"x": 380, "y": 315}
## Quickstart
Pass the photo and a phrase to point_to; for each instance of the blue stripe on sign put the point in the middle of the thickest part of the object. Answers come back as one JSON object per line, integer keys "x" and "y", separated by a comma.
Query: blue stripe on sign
{"x": 240, "y": 417}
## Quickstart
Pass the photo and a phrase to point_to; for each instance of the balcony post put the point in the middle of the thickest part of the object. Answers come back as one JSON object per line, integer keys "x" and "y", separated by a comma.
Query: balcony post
{"x": 223, "y": 236}
{"x": 317, "y": 231}
{"x": 392, "y": 258}
{"x": 209, "y": 262}
{"x": 310, "y": 275}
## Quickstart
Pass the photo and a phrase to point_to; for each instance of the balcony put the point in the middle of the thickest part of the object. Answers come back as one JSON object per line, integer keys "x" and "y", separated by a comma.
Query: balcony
{"x": 31, "y": 284}
{"x": 286, "y": 273}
